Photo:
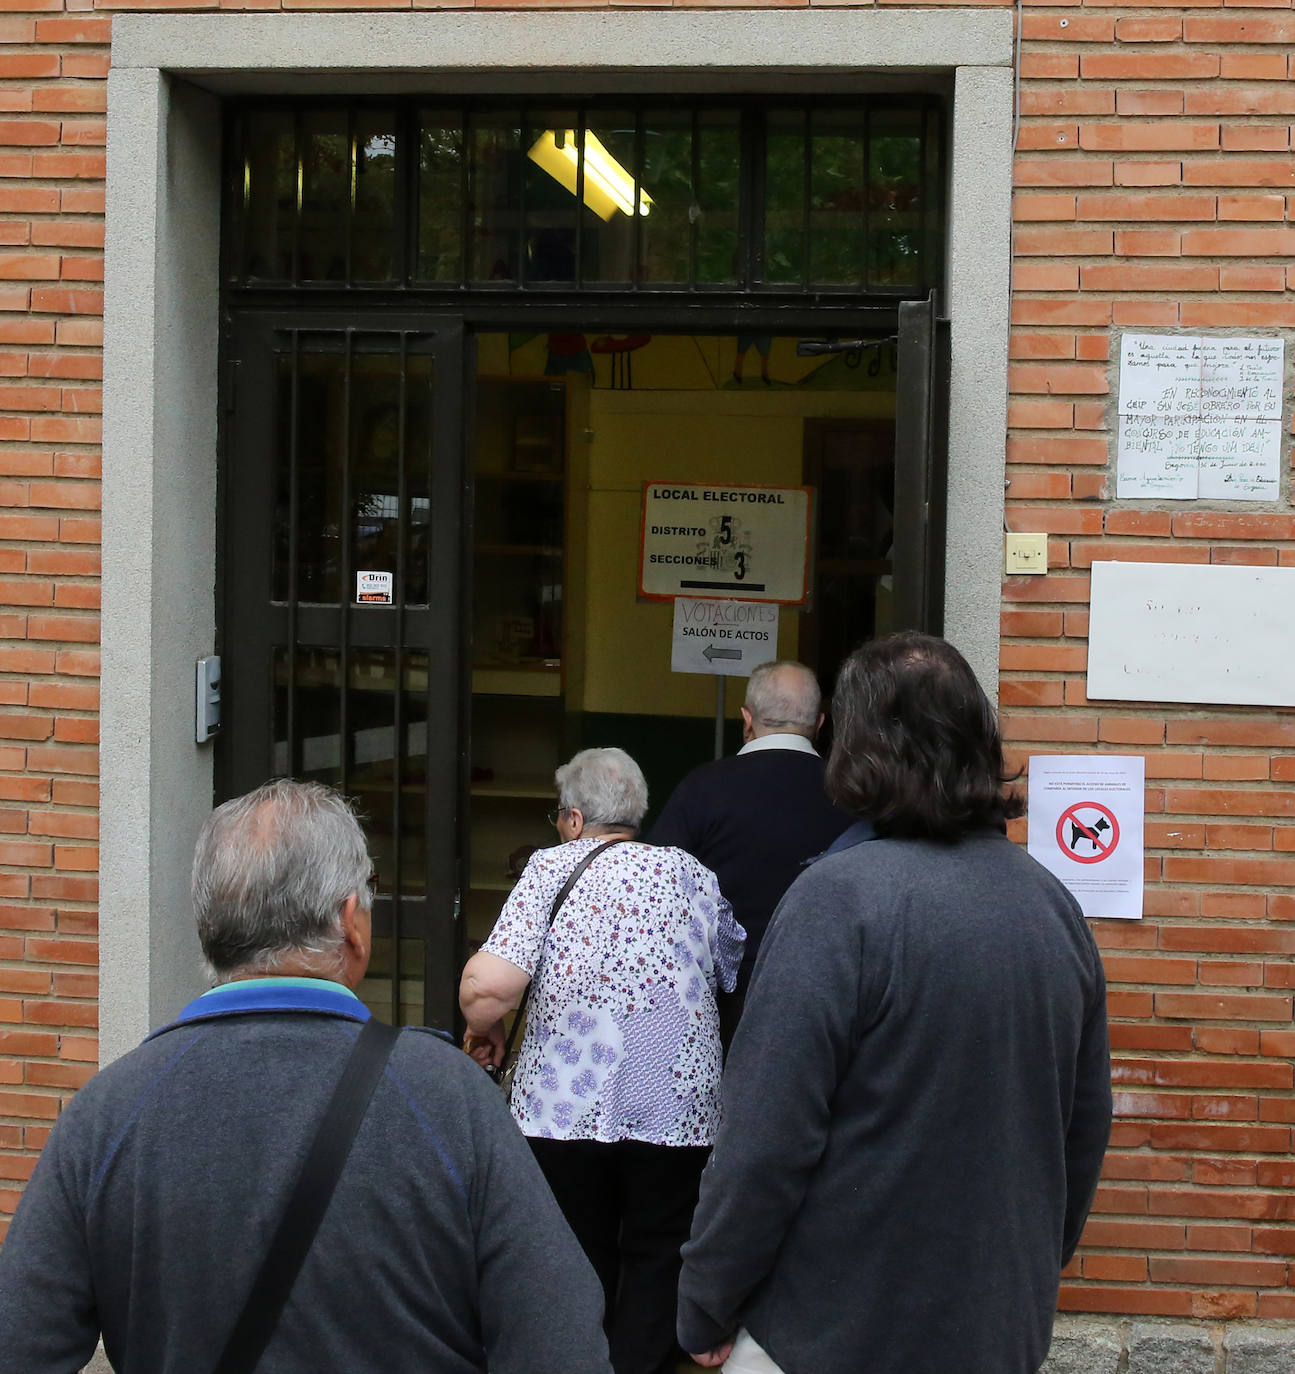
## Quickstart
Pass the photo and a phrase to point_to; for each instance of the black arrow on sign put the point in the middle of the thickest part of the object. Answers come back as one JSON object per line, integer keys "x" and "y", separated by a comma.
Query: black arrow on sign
{"x": 710, "y": 653}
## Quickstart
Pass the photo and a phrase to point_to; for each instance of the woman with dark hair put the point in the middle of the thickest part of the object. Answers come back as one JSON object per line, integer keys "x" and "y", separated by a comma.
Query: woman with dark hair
{"x": 918, "y": 1099}
{"x": 917, "y": 747}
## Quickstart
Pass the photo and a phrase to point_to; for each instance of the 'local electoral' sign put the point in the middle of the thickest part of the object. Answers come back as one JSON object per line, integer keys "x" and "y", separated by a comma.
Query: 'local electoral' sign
{"x": 723, "y": 541}
{"x": 725, "y": 638}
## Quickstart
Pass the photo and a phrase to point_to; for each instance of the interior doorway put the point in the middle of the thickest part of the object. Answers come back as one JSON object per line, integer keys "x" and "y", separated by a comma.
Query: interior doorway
{"x": 565, "y": 653}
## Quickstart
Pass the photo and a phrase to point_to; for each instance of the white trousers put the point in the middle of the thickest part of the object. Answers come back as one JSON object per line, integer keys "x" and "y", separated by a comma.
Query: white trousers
{"x": 748, "y": 1357}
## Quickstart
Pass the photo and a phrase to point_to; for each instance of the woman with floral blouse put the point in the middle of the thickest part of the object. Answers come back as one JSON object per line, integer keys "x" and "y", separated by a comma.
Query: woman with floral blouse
{"x": 617, "y": 1082}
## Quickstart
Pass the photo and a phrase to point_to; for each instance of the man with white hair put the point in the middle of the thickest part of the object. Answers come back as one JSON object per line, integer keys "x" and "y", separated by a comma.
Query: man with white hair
{"x": 166, "y": 1181}
{"x": 754, "y": 819}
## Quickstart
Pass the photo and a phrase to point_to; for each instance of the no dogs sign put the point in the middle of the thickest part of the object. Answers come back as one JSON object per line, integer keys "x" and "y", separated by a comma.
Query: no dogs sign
{"x": 1088, "y": 832}
{"x": 1085, "y": 827}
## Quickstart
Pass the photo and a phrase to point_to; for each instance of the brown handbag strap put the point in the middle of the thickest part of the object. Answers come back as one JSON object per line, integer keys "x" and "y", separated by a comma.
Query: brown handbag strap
{"x": 563, "y": 894}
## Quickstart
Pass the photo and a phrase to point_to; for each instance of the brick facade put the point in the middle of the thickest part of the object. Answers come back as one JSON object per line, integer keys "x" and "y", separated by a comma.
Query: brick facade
{"x": 1155, "y": 183}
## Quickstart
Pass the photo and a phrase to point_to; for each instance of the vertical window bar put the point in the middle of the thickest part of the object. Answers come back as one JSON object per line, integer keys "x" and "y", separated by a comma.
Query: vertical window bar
{"x": 919, "y": 235}
{"x": 467, "y": 181}
{"x": 523, "y": 134}
{"x": 933, "y": 154}
{"x": 636, "y": 266}
{"x": 863, "y": 209}
{"x": 753, "y": 143}
{"x": 352, "y": 190}
{"x": 463, "y": 511}
{"x": 294, "y": 549}
{"x": 239, "y": 272}
{"x": 582, "y": 133}
{"x": 867, "y": 197}
{"x": 345, "y": 591}
{"x": 299, "y": 160}
{"x": 695, "y": 207}
{"x": 404, "y": 194}
{"x": 807, "y": 197}
{"x": 398, "y": 762}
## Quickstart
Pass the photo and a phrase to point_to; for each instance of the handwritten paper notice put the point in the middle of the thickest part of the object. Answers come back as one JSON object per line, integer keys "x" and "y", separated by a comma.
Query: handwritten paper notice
{"x": 1200, "y": 417}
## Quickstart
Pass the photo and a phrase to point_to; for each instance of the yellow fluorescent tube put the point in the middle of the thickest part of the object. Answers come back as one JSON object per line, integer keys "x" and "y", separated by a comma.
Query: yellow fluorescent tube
{"x": 608, "y": 186}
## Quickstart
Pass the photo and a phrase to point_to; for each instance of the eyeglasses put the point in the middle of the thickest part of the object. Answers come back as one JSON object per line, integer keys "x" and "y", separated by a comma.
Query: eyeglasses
{"x": 557, "y": 812}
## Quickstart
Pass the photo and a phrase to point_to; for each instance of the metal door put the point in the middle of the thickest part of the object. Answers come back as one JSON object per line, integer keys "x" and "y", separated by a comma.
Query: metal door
{"x": 921, "y": 466}
{"x": 343, "y": 505}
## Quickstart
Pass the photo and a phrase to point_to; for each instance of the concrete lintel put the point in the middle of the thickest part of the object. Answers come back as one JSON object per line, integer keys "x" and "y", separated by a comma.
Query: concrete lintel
{"x": 586, "y": 41}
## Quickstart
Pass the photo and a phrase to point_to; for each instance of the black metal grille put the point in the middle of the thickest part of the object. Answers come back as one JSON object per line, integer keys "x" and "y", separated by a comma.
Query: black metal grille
{"x": 354, "y": 478}
{"x": 644, "y": 197}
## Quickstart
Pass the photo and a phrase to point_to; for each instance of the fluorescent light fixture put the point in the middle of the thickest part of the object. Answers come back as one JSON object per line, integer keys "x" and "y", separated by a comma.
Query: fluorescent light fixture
{"x": 608, "y": 186}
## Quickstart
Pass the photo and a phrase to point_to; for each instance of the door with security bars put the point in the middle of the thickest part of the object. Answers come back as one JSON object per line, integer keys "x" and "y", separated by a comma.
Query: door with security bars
{"x": 343, "y": 508}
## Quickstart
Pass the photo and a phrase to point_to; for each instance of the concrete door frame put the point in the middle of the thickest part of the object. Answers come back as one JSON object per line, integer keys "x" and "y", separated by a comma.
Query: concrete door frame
{"x": 161, "y": 344}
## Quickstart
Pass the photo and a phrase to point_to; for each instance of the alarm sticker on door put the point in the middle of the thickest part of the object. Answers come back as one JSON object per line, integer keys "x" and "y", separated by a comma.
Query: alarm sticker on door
{"x": 374, "y": 588}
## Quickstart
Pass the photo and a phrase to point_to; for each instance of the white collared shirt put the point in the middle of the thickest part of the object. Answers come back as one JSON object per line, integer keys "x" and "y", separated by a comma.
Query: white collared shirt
{"x": 787, "y": 741}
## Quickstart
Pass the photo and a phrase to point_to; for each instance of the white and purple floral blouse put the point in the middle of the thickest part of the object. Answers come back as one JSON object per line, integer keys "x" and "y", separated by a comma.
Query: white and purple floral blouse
{"x": 622, "y": 1034}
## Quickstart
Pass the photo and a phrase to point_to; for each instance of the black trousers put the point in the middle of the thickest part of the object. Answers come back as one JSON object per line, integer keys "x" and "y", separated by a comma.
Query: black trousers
{"x": 630, "y": 1205}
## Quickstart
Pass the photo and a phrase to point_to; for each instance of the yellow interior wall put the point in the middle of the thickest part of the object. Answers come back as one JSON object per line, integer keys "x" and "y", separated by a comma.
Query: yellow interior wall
{"x": 682, "y": 419}
{"x": 747, "y": 437}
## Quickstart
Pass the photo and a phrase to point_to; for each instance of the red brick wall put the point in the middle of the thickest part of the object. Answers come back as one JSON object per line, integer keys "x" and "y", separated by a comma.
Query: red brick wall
{"x": 52, "y": 69}
{"x": 1155, "y": 182}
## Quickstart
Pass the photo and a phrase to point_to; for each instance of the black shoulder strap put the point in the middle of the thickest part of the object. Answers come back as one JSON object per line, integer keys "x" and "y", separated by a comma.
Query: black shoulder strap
{"x": 563, "y": 894}
{"x": 310, "y": 1198}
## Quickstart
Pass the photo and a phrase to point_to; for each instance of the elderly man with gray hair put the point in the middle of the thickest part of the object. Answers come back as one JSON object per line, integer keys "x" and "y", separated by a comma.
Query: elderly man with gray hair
{"x": 167, "y": 1209}
{"x": 756, "y": 818}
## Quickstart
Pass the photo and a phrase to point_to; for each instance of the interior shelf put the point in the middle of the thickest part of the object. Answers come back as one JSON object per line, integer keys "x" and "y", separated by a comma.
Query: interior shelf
{"x": 554, "y": 477}
{"x": 518, "y": 550}
{"x": 517, "y": 682}
{"x": 490, "y": 880}
{"x": 536, "y": 788}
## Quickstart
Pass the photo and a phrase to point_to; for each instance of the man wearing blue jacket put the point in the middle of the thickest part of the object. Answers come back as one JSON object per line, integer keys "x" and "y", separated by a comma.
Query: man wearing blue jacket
{"x": 153, "y": 1203}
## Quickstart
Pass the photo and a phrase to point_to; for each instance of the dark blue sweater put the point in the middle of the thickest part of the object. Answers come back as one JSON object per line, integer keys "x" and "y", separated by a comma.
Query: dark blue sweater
{"x": 753, "y": 820}
{"x": 153, "y": 1203}
{"x": 916, "y": 1107}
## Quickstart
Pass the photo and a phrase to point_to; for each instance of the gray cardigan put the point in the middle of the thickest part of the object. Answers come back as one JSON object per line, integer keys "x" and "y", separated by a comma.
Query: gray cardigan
{"x": 916, "y": 1107}
{"x": 152, "y": 1204}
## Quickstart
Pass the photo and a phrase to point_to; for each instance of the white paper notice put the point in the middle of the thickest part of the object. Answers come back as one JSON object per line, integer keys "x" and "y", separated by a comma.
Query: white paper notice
{"x": 374, "y": 588}
{"x": 724, "y": 638}
{"x": 1085, "y": 827}
{"x": 1191, "y": 632}
{"x": 1200, "y": 417}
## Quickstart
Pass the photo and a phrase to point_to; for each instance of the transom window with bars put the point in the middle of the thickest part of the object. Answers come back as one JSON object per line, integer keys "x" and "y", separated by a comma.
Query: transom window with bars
{"x": 646, "y": 197}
